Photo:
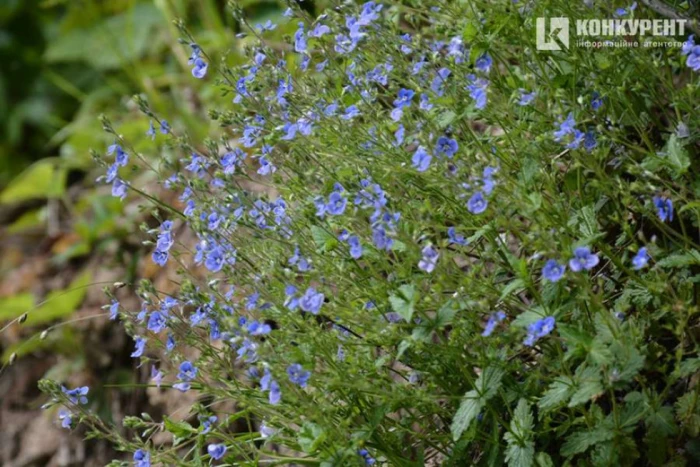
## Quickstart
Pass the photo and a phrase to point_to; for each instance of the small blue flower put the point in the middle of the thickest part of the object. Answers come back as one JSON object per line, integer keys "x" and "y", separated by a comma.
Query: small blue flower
{"x": 589, "y": 141}
{"x": 66, "y": 418}
{"x": 421, "y": 159}
{"x": 188, "y": 371}
{"x": 336, "y": 204}
{"x": 429, "y": 260}
{"x": 119, "y": 188}
{"x": 164, "y": 127}
{"x": 355, "y": 247}
{"x": 596, "y": 101}
{"x": 140, "y": 346}
{"x": 641, "y": 259}
{"x": 664, "y": 208}
{"x": 319, "y": 30}
{"x": 539, "y": 329}
{"x": 142, "y": 458}
{"x": 160, "y": 257}
{"x": 484, "y": 63}
{"x": 300, "y": 44}
{"x": 298, "y": 375}
{"x": 156, "y": 322}
{"x": 200, "y": 68}
{"x": 311, "y": 301}
{"x": 493, "y": 321}
{"x": 553, "y": 271}
{"x": 77, "y": 395}
{"x": 446, "y": 147}
{"x": 526, "y": 98}
{"x": 151, "y": 131}
{"x": 114, "y": 310}
{"x": 477, "y": 203}
{"x": 477, "y": 90}
{"x": 404, "y": 98}
{"x": 216, "y": 451}
{"x": 215, "y": 259}
{"x": 275, "y": 393}
{"x": 566, "y": 127}
{"x": 583, "y": 259}
{"x": 455, "y": 238}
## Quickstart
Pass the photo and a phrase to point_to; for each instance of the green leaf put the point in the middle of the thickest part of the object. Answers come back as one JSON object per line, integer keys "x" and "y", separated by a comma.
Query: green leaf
{"x": 469, "y": 408}
{"x": 486, "y": 386}
{"x": 112, "y": 43}
{"x": 677, "y": 156}
{"x": 13, "y": 306}
{"x": 661, "y": 422}
{"x": 61, "y": 303}
{"x": 680, "y": 260}
{"x": 581, "y": 441}
{"x": 179, "y": 429}
{"x": 559, "y": 391}
{"x": 44, "y": 179}
{"x": 521, "y": 448}
{"x": 310, "y": 437}
{"x": 404, "y": 302}
{"x": 585, "y": 392}
{"x": 514, "y": 286}
{"x": 323, "y": 240}
{"x": 445, "y": 314}
{"x": 543, "y": 460}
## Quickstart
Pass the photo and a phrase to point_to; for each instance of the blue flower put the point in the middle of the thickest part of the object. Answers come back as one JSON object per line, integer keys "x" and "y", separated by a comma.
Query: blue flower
{"x": 200, "y": 68}
{"x": 399, "y": 135}
{"x": 66, "y": 418}
{"x": 215, "y": 259}
{"x": 664, "y": 208}
{"x": 429, "y": 260}
{"x": 589, "y": 141}
{"x": 142, "y": 458}
{"x": 404, "y": 98}
{"x": 477, "y": 90}
{"x": 160, "y": 257}
{"x": 188, "y": 371}
{"x": 455, "y": 238}
{"x": 553, "y": 271}
{"x": 577, "y": 139}
{"x": 151, "y": 131}
{"x": 539, "y": 329}
{"x": 526, "y": 98}
{"x": 369, "y": 460}
{"x": 583, "y": 259}
{"x": 484, "y": 63}
{"x": 298, "y": 375}
{"x": 156, "y": 322}
{"x": 77, "y": 395}
{"x": 493, "y": 321}
{"x": 170, "y": 343}
{"x": 425, "y": 102}
{"x": 336, "y": 204}
{"x": 355, "y": 247}
{"x": 319, "y": 30}
{"x": 121, "y": 158}
{"x": 350, "y": 113}
{"x": 421, "y": 159}
{"x": 596, "y": 101}
{"x": 119, "y": 188}
{"x": 311, "y": 301}
{"x": 216, "y": 451}
{"x": 566, "y": 127}
{"x": 440, "y": 78}
{"x": 268, "y": 26}
{"x": 164, "y": 127}
{"x": 641, "y": 259}
{"x": 114, "y": 310}
{"x": 477, "y": 203}
{"x": 300, "y": 44}
{"x": 140, "y": 346}
{"x": 275, "y": 393}
{"x": 446, "y": 146}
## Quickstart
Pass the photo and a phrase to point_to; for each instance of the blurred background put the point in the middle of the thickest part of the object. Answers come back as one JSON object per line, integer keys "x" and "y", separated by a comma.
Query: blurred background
{"x": 63, "y": 237}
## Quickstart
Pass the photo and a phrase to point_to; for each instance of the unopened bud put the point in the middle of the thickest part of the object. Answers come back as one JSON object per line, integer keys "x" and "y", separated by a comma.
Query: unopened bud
{"x": 119, "y": 285}
{"x": 43, "y": 334}
{"x": 23, "y": 318}
{"x": 13, "y": 357}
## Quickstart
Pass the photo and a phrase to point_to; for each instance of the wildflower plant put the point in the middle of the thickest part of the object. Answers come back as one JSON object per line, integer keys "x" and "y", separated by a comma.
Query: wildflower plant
{"x": 420, "y": 240}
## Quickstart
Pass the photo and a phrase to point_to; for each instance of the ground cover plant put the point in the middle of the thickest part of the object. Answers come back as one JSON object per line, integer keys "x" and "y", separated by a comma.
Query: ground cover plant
{"x": 421, "y": 241}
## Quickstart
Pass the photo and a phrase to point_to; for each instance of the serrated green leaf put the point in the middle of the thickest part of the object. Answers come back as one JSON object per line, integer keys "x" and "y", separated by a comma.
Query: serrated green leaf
{"x": 486, "y": 386}
{"x": 404, "y": 302}
{"x": 581, "y": 441}
{"x": 521, "y": 448}
{"x": 559, "y": 391}
{"x": 310, "y": 437}
{"x": 680, "y": 260}
{"x": 469, "y": 408}
{"x": 179, "y": 429}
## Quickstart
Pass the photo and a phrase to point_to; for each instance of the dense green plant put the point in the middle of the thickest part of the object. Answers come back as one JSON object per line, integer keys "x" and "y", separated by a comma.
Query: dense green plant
{"x": 421, "y": 240}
